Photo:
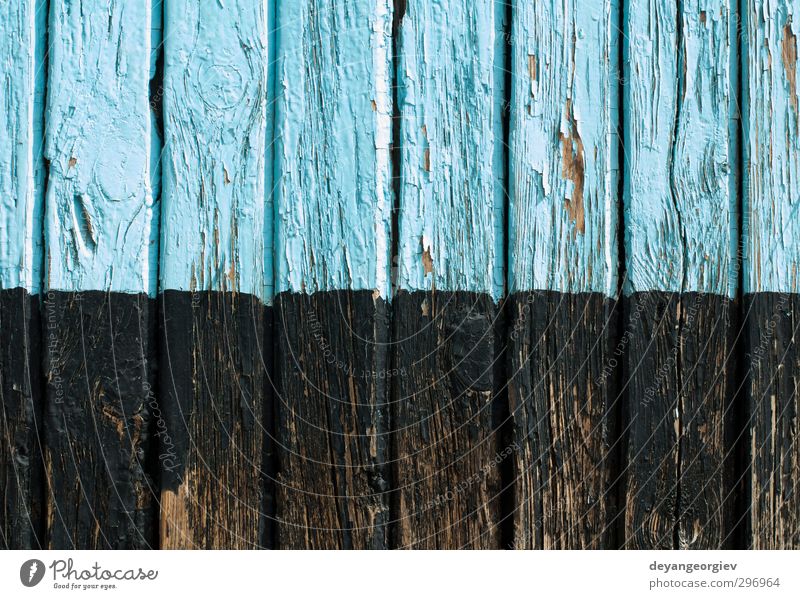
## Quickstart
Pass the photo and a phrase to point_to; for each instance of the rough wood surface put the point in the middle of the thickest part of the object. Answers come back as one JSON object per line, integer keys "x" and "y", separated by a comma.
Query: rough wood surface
{"x": 212, "y": 264}
{"x": 681, "y": 271}
{"x": 771, "y": 275}
{"x": 332, "y": 245}
{"x": 446, "y": 354}
{"x": 101, "y": 249}
{"x": 562, "y": 238}
{"x": 22, "y": 174}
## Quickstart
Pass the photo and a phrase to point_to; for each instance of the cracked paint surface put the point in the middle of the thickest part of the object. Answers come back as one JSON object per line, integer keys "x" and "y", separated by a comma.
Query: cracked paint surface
{"x": 215, "y": 119}
{"x": 564, "y": 175}
{"x": 680, "y": 198}
{"x": 22, "y": 26}
{"x": 771, "y": 224}
{"x": 333, "y": 197}
{"x": 101, "y": 220}
{"x": 450, "y": 79}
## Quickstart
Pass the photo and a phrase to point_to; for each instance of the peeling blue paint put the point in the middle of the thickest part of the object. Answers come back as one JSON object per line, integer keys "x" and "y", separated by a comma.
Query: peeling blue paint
{"x": 215, "y": 120}
{"x": 771, "y": 118}
{"x": 101, "y": 222}
{"x": 680, "y": 212}
{"x": 333, "y": 196}
{"x": 451, "y": 205}
{"x": 563, "y": 147}
{"x": 22, "y": 87}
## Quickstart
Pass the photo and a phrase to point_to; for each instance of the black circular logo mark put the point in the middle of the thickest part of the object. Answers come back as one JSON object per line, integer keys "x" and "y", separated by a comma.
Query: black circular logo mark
{"x": 31, "y": 572}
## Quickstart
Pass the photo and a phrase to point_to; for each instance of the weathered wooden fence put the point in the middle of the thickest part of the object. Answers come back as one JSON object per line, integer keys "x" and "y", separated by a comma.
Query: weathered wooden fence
{"x": 399, "y": 273}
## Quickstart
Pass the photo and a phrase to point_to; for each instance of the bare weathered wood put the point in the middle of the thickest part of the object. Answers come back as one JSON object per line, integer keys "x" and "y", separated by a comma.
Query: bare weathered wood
{"x": 771, "y": 272}
{"x": 214, "y": 362}
{"x": 563, "y": 262}
{"x": 332, "y": 244}
{"x": 22, "y": 174}
{"x": 101, "y": 231}
{"x": 446, "y": 362}
{"x": 681, "y": 279}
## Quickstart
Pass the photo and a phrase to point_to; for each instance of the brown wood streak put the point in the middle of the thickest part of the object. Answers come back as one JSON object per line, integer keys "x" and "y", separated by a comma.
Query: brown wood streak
{"x": 214, "y": 394}
{"x": 679, "y": 388}
{"x": 448, "y": 452}
{"x": 774, "y": 381}
{"x": 561, "y": 398}
{"x": 331, "y": 383}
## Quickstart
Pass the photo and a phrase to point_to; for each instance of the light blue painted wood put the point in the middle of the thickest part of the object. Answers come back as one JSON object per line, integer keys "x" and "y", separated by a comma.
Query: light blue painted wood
{"x": 215, "y": 121}
{"x": 680, "y": 202}
{"x": 101, "y": 222}
{"x": 451, "y": 207}
{"x": 333, "y": 131}
{"x": 564, "y": 176}
{"x": 22, "y": 35}
{"x": 771, "y": 114}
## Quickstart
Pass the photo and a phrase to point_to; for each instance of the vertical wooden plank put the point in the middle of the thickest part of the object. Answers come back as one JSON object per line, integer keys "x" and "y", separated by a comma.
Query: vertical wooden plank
{"x": 213, "y": 288}
{"x": 446, "y": 350}
{"x": 563, "y": 269}
{"x": 22, "y": 34}
{"x": 771, "y": 273}
{"x": 100, "y": 275}
{"x": 333, "y": 210}
{"x": 680, "y": 234}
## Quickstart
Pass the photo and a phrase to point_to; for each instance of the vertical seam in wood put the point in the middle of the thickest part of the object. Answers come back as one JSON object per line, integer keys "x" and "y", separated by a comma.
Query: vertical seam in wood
{"x": 503, "y": 379}
{"x": 395, "y": 161}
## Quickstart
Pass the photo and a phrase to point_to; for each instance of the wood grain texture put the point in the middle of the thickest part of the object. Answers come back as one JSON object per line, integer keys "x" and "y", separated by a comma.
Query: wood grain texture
{"x": 563, "y": 239}
{"x": 212, "y": 272}
{"x": 101, "y": 232}
{"x": 446, "y": 353}
{"x": 771, "y": 273}
{"x": 447, "y": 447}
{"x": 680, "y": 235}
{"x": 22, "y": 174}
{"x": 332, "y": 243}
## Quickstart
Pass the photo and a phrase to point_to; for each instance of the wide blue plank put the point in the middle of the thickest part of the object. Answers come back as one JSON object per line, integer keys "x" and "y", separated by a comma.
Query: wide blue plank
{"x": 214, "y": 161}
{"x": 450, "y": 93}
{"x": 333, "y": 130}
{"x": 563, "y": 147}
{"x": 101, "y": 222}
{"x": 679, "y": 101}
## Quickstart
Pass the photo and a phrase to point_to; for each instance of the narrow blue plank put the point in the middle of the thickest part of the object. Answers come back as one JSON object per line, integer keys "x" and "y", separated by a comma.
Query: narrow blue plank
{"x": 451, "y": 204}
{"x": 215, "y": 120}
{"x": 563, "y": 147}
{"x": 333, "y": 197}
{"x": 21, "y": 165}
{"x": 680, "y": 201}
{"x": 771, "y": 118}
{"x": 101, "y": 220}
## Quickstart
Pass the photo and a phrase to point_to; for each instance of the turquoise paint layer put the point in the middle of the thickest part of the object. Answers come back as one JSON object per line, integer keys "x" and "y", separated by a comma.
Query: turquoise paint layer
{"x": 215, "y": 122}
{"x": 333, "y": 131}
{"x": 771, "y": 114}
{"x": 680, "y": 212}
{"x": 22, "y": 81}
{"x": 564, "y": 174}
{"x": 101, "y": 222}
{"x": 451, "y": 203}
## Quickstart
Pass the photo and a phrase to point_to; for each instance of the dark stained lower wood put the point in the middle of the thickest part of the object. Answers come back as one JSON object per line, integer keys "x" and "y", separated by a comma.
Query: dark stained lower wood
{"x": 562, "y": 401}
{"x": 679, "y": 397}
{"x": 773, "y": 364}
{"x": 99, "y": 371}
{"x": 447, "y": 454}
{"x": 214, "y": 395}
{"x": 21, "y": 450}
{"x": 331, "y": 384}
